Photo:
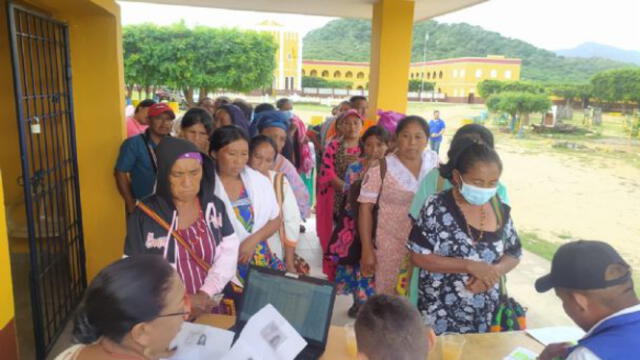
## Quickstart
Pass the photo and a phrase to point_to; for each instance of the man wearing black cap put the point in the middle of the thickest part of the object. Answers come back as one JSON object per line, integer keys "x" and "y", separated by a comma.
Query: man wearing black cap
{"x": 136, "y": 167}
{"x": 596, "y": 289}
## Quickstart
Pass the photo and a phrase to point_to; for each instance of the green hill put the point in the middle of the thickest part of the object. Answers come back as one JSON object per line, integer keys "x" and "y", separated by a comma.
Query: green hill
{"x": 349, "y": 40}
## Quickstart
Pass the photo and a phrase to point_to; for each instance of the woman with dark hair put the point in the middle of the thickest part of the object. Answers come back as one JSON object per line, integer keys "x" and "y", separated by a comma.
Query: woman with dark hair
{"x": 186, "y": 223}
{"x": 229, "y": 114}
{"x": 337, "y": 156}
{"x": 344, "y": 247}
{"x": 246, "y": 108}
{"x": 196, "y": 126}
{"x": 208, "y": 104}
{"x": 249, "y": 197}
{"x": 391, "y": 186}
{"x": 433, "y": 182}
{"x": 131, "y": 310}
{"x": 262, "y": 155}
{"x": 263, "y": 107}
{"x": 464, "y": 241}
{"x": 275, "y": 124}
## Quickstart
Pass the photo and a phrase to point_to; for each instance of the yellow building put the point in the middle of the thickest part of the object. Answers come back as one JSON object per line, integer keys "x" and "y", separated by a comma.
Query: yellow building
{"x": 456, "y": 79}
{"x": 287, "y": 74}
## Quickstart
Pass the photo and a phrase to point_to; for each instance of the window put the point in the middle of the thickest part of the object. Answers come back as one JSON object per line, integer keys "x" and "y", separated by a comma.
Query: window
{"x": 462, "y": 73}
{"x": 494, "y": 73}
{"x": 479, "y": 73}
{"x": 303, "y": 73}
{"x": 455, "y": 74}
{"x": 411, "y": 75}
{"x": 434, "y": 75}
{"x": 325, "y": 74}
{"x": 360, "y": 75}
{"x": 461, "y": 92}
{"x": 428, "y": 75}
{"x": 337, "y": 74}
{"x": 507, "y": 74}
{"x": 441, "y": 74}
{"x": 313, "y": 73}
{"x": 348, "y": 75}
{"x": 422, "y": 75}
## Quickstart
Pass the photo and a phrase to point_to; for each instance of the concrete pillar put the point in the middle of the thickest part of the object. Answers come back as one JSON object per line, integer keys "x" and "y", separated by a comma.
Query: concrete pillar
{"x": 391, "y": 32}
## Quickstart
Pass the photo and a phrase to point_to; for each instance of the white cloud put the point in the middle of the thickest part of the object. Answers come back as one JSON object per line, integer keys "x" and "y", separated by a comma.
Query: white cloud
{"x": 558, "y": 24}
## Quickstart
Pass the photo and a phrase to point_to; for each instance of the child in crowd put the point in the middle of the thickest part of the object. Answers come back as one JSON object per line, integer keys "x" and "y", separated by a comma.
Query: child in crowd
{"x": 389, "y": 328}
{"x": 596, "y": 289}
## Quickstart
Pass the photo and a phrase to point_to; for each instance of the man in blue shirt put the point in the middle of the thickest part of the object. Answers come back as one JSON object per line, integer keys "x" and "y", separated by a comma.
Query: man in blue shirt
{"x": 135, "y": 170}
{"x": 596, "y": 289}
{"x": 436, "y": 129}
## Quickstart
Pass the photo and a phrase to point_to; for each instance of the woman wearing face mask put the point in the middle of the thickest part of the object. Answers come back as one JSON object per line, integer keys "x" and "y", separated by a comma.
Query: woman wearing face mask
{"x": 393, "y": 191}
{"x": 434, "y": 182}
{"x": 249, "y": 197}
{"x": 186, "y": 223}
{"x": 132, "y": 310}
{"x": 262, "y": 155}
{"x": 464, "y": 240}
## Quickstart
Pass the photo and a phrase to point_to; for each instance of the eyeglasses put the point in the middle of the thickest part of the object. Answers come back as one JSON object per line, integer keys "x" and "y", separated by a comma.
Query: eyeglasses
{"x": 185, "y": 314}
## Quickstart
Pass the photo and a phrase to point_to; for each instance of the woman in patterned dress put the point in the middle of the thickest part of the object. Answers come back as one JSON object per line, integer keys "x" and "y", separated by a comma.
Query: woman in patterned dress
{"x": 464, "y": 241}
{"x": 337, "y": 156}
{"x": 387, "y": 255}
{"x": 344, "y": 248}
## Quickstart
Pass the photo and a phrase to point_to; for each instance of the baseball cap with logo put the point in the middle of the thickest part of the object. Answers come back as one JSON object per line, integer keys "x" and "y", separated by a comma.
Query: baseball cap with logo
{"x": 160, "y": 108}
{"x": 582, "y": 265}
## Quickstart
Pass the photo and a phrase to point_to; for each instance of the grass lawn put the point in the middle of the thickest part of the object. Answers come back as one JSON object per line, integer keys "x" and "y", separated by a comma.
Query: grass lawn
{"x": 544, "y": 248}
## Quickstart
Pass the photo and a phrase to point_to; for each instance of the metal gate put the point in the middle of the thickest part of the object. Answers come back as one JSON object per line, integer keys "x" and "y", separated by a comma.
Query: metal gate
{"x": 44, "y": 106}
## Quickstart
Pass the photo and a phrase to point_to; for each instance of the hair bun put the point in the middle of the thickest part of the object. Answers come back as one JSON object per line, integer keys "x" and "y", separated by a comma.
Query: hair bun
{"x": 83, "y": 331}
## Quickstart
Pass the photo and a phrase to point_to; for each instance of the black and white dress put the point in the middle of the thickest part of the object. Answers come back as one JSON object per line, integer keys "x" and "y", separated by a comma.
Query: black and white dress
{"x": 443, "y": 299}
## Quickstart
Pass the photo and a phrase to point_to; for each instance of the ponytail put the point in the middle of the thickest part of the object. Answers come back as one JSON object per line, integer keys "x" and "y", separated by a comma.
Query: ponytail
{"x": 465, "y": 153}
{"x": 83, "y": 331}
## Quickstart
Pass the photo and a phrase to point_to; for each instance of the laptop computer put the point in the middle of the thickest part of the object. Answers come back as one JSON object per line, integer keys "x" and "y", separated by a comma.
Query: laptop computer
{"x": 306, "y": 303}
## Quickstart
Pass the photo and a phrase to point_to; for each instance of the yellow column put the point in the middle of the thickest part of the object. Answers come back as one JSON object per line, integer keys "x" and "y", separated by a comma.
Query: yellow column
{"x": 391, "y": 32}
{"x": 7, "y": 329}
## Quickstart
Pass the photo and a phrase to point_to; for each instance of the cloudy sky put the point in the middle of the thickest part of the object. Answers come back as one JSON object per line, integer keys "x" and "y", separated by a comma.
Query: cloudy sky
{"x": 550, "y": 24}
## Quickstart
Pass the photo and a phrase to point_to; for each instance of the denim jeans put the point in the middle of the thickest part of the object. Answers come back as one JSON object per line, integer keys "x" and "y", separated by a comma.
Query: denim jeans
{"x": 435, "y": 145}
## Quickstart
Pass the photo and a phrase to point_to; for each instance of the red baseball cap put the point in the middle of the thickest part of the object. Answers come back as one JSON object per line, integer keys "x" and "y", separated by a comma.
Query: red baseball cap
{"x": 160, "y": 108}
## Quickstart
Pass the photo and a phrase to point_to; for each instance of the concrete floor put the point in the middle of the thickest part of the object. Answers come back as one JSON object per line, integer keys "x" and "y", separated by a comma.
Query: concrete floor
{"x": 543, "y": 309}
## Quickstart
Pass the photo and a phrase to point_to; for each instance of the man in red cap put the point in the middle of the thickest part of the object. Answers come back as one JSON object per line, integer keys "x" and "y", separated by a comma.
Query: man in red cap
{"x": 136, "y": 168}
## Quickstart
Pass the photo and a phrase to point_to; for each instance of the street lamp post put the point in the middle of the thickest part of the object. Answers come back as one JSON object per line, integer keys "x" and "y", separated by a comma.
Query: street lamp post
{"x": 424, "y": 60}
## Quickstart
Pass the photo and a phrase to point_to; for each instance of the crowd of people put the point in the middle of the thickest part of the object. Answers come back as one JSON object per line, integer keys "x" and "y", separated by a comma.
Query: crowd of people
{"x": 422, "y": 246}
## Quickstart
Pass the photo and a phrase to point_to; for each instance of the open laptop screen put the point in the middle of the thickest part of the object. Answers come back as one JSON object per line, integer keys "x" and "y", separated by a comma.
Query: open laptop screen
{"x": 305, "y": 304}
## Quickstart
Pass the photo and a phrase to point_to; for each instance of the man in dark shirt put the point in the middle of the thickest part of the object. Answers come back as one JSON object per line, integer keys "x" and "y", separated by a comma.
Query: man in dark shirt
{"x": 135, "y": 170}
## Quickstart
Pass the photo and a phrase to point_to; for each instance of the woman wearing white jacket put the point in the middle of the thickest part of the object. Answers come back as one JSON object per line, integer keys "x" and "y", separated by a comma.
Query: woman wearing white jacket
{"x": 262, "y": 154}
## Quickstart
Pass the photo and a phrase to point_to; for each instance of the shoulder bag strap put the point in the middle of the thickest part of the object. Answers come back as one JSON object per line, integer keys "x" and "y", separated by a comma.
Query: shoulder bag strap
{"x": 383, "y": 173}
{"x": 152, "y": 214}
{"x": 278, "y": 185}
{"x": 151, "y": 152}
{"x": 496, "y": 205}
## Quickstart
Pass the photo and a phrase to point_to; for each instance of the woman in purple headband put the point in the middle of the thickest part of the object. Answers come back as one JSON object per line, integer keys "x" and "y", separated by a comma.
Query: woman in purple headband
{"x": 187, "y": 224}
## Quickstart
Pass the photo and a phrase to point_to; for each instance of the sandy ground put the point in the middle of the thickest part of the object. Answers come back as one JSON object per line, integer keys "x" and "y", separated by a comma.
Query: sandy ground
{"x": 562, "y": 199}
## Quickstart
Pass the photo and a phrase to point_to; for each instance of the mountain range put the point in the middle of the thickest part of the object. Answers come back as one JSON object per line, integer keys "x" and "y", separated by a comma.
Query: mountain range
{"x": 350, "y": 39}
{"x": 595, "y": 50}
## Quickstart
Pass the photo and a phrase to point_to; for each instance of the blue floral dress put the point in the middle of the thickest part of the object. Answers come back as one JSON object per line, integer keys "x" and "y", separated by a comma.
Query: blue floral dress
{"x": 443, "y": 300}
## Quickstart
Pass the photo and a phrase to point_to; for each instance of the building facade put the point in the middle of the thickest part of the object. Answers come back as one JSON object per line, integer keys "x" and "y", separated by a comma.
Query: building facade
{"x": 287, "y": 75}
{"x": 455, "y": 79}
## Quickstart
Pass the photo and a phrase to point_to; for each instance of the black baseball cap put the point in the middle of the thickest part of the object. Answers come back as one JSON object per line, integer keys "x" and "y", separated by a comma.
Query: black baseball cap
{"x": 582, "y": 265}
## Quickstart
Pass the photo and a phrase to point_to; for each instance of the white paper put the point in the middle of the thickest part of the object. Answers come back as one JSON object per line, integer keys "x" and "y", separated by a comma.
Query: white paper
{"x": 196, "y": 341}
{"x": 556, "y": 334}
{"x": 271, "y": 338}
{"x": 521, "y": 353}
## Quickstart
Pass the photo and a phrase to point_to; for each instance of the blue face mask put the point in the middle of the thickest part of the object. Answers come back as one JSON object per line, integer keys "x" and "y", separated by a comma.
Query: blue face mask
{"x": 476, "y": 195}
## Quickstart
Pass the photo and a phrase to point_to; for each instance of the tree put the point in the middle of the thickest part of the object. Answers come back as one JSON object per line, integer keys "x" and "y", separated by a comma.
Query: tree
{"x": 486, "y": 88}
{"x": 519, "y": 105}
{"x": 417, "y": 85}
{"x": 621, "y": 85}
{"x": 201, "y": 58}
{"x": 318, "y": 82}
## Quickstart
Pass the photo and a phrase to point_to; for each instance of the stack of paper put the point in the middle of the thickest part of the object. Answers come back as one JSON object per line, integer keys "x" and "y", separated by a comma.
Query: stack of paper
{"x": 556, "y": 334}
